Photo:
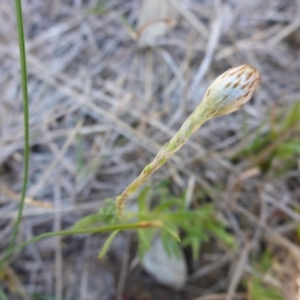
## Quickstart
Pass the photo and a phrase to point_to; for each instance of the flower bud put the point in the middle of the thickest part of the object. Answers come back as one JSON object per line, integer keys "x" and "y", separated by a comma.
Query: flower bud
{"x": 230, "y": 91}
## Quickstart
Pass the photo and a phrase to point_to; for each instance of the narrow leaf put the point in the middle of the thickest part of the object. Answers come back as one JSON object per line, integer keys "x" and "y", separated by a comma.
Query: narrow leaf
{"x": 88, "y": 221}
{"x": 172, "y": 233}
{"x": 142, "y": 200}
{"x": 107, "y": 243}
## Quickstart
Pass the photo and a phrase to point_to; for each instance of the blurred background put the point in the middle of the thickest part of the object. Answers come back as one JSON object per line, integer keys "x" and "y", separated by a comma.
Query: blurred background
{"x": 109, "y": 83}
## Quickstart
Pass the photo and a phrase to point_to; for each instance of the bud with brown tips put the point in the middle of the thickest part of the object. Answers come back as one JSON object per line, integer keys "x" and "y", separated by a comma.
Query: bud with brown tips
{"x": 228, "y": 92}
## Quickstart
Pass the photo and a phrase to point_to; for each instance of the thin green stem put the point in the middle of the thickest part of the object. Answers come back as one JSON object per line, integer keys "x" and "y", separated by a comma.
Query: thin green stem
{"x": 107, "y": 228}
{"x": 26, "y": 123}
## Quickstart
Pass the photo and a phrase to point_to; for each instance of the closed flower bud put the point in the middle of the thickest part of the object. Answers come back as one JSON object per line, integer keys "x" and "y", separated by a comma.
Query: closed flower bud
{"x": 230, "y": 91}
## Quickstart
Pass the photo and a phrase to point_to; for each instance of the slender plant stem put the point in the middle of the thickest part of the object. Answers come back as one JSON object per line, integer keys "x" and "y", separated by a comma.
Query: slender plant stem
{"x": 105, "y": 228}
{"x": 193, "y": 122}
{"x": 26, "y": 123}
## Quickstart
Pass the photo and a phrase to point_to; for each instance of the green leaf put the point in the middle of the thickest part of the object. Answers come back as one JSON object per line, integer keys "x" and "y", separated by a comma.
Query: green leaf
{"x": 206, "y": 211}
{"x": 88, "y": 221}
{"x": 106, "y": 215}
{"x": 288, "y": 149}
{"x": 200, "y": 235}
{"x": 145, "y": 237}
{"x": 172, "y": 232}
{"x": 168, "y": 205}
{"x": 266, "y": 261}
{"x": 107, "y": 243}
{"x": 222, "y": 234}
{"x": 142, "y": 249}
{"x": 195, "y": 244}
{"x": 293, "y": 117}
{"x": 171, "y": 245}
{"x": 260, "y": 292}
{"x": 195, "y": 230}
{"x": 142, "y": 200}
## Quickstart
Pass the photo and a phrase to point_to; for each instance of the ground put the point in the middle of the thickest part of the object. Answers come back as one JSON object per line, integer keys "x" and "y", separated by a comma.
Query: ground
{"x": 105, "y": 95}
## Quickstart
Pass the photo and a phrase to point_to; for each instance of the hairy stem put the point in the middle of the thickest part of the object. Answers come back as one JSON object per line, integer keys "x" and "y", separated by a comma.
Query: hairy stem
{"x": 193, "y": 122}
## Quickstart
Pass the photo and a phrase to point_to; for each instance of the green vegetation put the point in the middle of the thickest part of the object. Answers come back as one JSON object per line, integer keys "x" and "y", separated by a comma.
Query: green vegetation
{"x": 257, "y": 289}
{"x": 277, "y": 149}
{"x": 158, "y": 211}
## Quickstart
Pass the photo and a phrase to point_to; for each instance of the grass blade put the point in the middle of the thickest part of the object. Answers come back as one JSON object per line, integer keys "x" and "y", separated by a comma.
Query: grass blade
{"x": 26, "y": 120}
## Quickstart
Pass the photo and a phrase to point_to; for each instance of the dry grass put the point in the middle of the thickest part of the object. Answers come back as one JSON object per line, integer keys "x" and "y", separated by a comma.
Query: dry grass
{"x": 101, "y": 107}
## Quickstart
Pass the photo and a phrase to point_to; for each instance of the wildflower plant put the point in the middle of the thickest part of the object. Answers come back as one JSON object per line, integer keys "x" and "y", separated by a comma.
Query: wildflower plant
{"x": 169, "y": 217}
{"x": 229, "y": 92}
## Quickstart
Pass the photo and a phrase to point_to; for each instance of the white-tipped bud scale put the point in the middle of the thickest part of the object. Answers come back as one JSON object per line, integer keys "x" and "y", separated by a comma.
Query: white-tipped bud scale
{"x": 230, "y": 91}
